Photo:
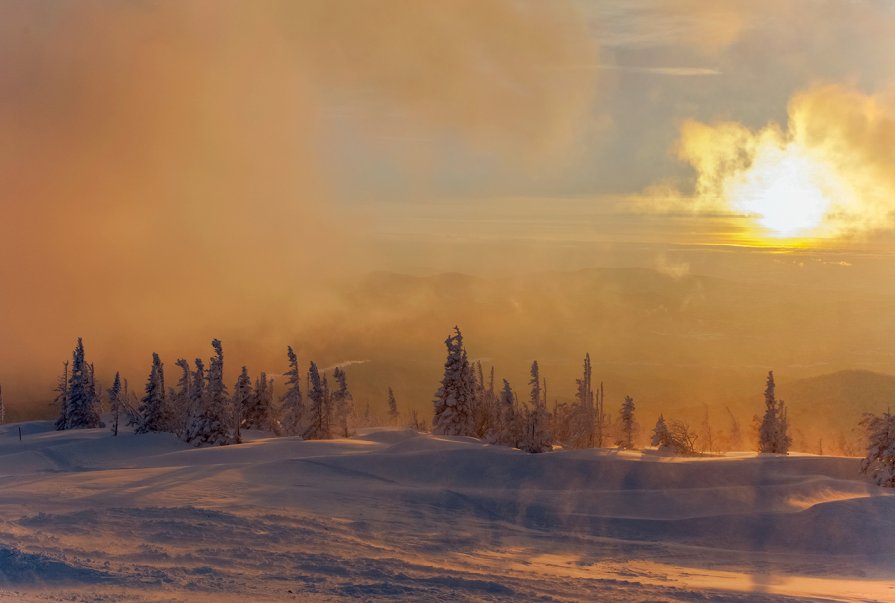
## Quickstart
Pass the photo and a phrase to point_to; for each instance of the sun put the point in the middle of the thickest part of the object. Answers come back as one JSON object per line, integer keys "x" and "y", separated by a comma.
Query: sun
{"x": 787, "y": 191}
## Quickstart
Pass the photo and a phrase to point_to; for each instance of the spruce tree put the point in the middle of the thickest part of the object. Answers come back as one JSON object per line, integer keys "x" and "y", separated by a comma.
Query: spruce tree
{"x": 879, "y": 463}
{"x": 79, "y": 409}
{"x": 258, "y": 414}
{"x": 536, "y": 435}
{"x": 153, "y": 417}
{"x": 626, "y": 415}
{"x": 510, "y": 430}
{"x": 318, "y": 425}
{"x": 454, "y": 400}
{"x": 392, "y": 405}
{"x": 197, "y": 403}
{"x": 773, "y": 434}
{"x": 115, "y": 402}
{"x": 342, "y": 402}
{"x": 243, "y": 396}
{"x": 582, "y": 416}
{"x": 660, "y": 434}
{"x": 293, "y": 410}
{"x": 179, "y": 403}
{"x": 212, "y": 422}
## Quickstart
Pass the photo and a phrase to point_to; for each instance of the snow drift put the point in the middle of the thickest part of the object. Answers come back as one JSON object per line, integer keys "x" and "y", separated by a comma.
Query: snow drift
{"x": 395, "y": 514}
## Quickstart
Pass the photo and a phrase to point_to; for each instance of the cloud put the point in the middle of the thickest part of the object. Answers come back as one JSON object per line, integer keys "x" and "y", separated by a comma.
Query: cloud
{"x": 673, "y": 71}
{"x": 164, "y": 165}
{"x": 828, "y": 173}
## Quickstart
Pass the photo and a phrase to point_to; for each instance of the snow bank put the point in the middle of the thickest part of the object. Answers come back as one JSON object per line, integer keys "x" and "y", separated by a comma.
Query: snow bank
{"x": 392, "y": 513}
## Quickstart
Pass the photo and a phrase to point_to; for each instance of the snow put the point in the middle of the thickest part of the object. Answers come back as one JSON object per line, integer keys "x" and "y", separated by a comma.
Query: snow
{"x": 392, "y": 514}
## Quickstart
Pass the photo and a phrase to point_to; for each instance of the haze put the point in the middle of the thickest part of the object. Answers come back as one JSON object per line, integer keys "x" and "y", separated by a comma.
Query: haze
{"x": 679, "y": 189}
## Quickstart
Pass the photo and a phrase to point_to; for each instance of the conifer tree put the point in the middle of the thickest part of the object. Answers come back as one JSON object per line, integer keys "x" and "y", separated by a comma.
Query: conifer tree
{"x": 626, "y": 415}
{"x": 454, "y": 400}
{"x": 660, "y": 434}
{"x": 536, "y": 435}
{"x": 773, "y": 434}
{"x": 93, "y": 395}
{"x": 152, "y": 409}
{"x": 179, "y": 402}
{"x": 79, "y": 409}
{"x": 392, "y": 405}
{"x": 318, "y": 425}
{"x": 212, "y": 421}
{"x": 582, "y": 416}
{"x": 879, "y": 463}
{"x": 481, "y": 411}
{"x": 293, "y": 410}
{"x": 343, "y": 403}
{"x": 197, "y": 402}
{"x": 510, "y": 426}
{"x": 258, "y": 414}
{"x": 115, "y": 402}
{"x": 242, "y": 399}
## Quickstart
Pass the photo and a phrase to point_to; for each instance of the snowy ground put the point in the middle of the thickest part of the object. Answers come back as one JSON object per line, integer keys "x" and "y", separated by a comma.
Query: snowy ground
{"x": 396, "y": 515}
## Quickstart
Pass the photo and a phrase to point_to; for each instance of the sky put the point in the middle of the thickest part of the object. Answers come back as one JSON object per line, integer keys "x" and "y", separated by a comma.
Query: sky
{"x": 174, "y": 171}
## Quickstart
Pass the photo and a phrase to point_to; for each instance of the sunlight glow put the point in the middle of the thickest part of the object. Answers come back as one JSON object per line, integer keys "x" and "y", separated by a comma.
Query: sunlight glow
{"x": 788, "y": 192}
{"x": 823, "y": 178}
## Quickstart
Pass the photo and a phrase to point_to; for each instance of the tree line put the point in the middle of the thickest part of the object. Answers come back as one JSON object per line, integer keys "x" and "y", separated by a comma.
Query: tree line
{"x": 201, "y": 411}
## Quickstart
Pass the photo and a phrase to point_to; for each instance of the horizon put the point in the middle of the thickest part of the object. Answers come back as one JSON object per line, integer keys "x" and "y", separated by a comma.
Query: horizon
{"x": 653, "y": 137}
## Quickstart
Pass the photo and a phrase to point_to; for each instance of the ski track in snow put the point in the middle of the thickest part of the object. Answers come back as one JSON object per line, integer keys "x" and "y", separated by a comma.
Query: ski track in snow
{"x": 391, "y": 514}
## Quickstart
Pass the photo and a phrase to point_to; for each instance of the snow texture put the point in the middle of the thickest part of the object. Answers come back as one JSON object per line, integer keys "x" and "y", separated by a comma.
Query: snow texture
{"x": 395, "y": 515}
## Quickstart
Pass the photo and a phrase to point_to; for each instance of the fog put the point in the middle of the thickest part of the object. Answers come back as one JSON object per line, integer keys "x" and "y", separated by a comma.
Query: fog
{"x": 554, "y": 178}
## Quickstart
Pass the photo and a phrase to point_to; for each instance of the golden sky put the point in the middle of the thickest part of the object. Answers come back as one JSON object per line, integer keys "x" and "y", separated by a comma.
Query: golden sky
{"x": 173, "y": 171}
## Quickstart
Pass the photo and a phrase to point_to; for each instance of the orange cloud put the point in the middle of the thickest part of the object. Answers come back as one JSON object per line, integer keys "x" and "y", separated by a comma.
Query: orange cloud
{"x": 829, "y": 173}
{"x": 162, "y": 163}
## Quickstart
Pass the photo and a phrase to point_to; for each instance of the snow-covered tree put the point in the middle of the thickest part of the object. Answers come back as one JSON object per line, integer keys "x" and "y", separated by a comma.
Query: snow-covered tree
{"x": 343, "y": 403}
{"x": 211, "y": 423}
{"x": 480, "y": 410}
{"x": 392, "y": 405}
{"x": 93, "y": 394}
{"x": 114, "y": 393}
{"x": 510, "y": 426}
{"x": 879, "y": 463}
{"x": 536, "y": 433}
{"x": 661, "y": 437}
{"x": 259, "y": 414}
{"x": 153, "y": 415}
{"x": 293, "y": 409}
{"x": 773, "y": 434}
{"x": 579, "y": 421}
{"x": 243, "y": 395}
{"x": 179, "y": 400}
{"x": 197, "y": 401}
{"x": 677, "y": 437}
{"x": 455, "y": 399}
{"x": 79, "y": 408}
{"x": 626, "y": 416}
{"x": 318, "y": 407}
